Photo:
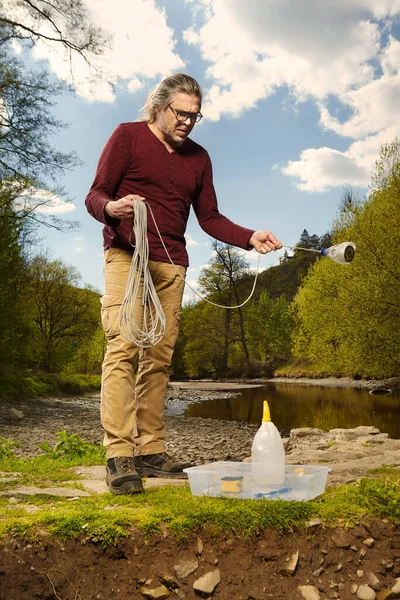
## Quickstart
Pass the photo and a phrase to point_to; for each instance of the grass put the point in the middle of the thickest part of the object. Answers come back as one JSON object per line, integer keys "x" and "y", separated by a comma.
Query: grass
{"x": 106, "y": 518}
{"x": 19, "y": 386}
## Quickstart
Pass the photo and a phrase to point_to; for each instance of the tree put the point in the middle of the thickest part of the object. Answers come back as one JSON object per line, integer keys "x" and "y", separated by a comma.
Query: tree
{"x": 349, "y": 317}
{"x": 64, "y": 314}
{"x": 270, "y": 327}
{"x": 14, "y": 329}
{"x": 220, "y": 281}
{"x": 62, "y": 22}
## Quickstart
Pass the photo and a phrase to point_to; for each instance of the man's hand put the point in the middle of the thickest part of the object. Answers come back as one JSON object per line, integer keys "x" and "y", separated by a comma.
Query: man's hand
{"x": 122, "y": 209}
{"x": 264, "y": 242}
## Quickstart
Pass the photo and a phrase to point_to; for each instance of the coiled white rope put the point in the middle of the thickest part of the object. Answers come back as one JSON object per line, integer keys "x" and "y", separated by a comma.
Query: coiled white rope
{"x": 151, "y": 328}
{"x": 143, "y": 326}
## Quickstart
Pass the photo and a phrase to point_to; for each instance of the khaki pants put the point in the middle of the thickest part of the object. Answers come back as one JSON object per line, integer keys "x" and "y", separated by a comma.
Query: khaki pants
{"x": 132, "y": 411}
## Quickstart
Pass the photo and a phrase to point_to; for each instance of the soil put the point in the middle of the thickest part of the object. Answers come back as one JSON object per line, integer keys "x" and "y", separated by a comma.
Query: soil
{"x": 331, "y": 563}
{"x": 250, "y": 568}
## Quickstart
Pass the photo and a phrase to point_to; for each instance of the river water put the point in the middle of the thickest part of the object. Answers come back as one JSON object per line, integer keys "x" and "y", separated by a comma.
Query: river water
{"x": 295, "y": 406}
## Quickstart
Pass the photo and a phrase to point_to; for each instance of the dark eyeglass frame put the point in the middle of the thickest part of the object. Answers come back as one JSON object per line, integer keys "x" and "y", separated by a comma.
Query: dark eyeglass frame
{"x": 181, "y": 116}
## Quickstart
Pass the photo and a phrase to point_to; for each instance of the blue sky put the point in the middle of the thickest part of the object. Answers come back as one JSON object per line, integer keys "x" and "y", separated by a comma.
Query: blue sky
{"x": 297, "y": 105}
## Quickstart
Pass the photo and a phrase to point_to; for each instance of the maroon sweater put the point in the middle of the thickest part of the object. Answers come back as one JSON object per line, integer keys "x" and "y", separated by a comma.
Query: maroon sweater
{"x": 135, "y": 161}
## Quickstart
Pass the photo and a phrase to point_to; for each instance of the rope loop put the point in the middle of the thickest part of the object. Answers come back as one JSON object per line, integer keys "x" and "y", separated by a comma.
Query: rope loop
{"x": 147, "y": 328}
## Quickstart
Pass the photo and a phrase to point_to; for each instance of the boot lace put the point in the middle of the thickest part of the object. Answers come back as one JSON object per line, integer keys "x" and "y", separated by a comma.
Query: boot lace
{"x": 125, "y": 464}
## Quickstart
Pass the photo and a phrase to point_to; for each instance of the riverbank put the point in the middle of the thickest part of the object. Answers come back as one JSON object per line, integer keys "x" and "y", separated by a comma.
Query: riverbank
{"x": 391, "y": 384}
{"x": 350, "y": 452}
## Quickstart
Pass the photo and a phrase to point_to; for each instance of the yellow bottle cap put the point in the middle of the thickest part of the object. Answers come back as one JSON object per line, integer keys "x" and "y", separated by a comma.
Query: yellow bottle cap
{"x": 266, "y": 414}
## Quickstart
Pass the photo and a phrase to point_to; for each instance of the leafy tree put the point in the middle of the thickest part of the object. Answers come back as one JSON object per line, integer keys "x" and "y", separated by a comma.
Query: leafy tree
{"x": 270, "y": 326}
{"x": 204, "y": 329}
{"x": 349, "y": 317}
{"x": 14, "y": 325}
{"x": 64, "y": 315}
{"x": 220, "y": 281}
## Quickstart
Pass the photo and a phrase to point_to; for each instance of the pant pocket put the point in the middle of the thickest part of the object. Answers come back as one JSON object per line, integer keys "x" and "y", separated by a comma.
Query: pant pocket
{"x": 110, "y": 315}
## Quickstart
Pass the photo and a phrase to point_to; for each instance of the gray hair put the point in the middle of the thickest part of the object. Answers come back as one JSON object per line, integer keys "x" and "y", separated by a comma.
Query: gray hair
{"x": 159, "y": 98}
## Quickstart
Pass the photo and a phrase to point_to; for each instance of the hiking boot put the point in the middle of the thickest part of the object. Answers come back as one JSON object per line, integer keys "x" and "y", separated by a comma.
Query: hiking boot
{"x": 160, "y": 465}
{"x": 122, "y": 477}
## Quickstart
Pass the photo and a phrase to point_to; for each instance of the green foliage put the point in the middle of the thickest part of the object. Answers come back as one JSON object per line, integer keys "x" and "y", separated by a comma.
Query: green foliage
{"x": 17, "y": 386}
{"x": 349, "y": 317}
{"x": 72, "y": 446}
{"x": 6, "y": 446}
{"x": 270, "y": 327}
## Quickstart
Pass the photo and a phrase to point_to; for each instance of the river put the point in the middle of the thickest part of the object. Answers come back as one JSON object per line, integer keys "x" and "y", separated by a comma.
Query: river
{"x": 298, "y": 405}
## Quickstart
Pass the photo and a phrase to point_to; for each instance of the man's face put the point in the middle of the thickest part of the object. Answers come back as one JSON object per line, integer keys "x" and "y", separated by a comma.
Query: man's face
{"x": 176, "y": 131}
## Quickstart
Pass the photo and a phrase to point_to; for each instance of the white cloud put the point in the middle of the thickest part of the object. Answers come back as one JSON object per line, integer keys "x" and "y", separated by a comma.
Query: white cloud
{"x": 142, "y": 47}
{"x": 190, "y": 241}
{"x": 320, "y": 169}
{"x": 43, "y": 201}
{"x": 78, "y": 249}
{"x": 336, "y": 49}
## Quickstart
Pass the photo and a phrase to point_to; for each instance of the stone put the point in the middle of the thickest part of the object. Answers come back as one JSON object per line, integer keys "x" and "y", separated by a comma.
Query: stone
{"x": 185, "y": 568}
{"x": 319, "y": 572}
{"x": 338, "y": 568}
{"x": 17, "y": 413}
{"x": 199, "y": 546}
{"x": 309, "y": 592}
{"x": 396, "y": 588}
{"x": 364, "y": 592}
{"x": 306, "y": 431}
{"x": 369, "y": 542}
{"x": 31, "y": 490}
{"x": 291, "y": 565}
{"x": 354, "y": 588}
{"x": 314, "y": 524}
{"x": 360, "y": 573}
{"x": 342, "y": 539}
{"x": 373, "y": 581}
{"x": 157, "y": 593}
{"x": 208, "y": 582}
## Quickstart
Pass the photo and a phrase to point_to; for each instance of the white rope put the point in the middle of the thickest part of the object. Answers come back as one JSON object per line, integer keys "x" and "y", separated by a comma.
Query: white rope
{"x": 148, "y": 327}
{"x": 152, "y": 327}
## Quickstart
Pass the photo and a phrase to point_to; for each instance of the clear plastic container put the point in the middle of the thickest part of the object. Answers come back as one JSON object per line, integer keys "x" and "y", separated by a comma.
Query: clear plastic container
{"x": 234, "y": 480}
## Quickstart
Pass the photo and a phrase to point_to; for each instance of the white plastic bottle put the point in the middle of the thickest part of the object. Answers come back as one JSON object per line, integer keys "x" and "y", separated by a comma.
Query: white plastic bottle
{"x": 267, "y": 453}
{"x": 341, "y": 253}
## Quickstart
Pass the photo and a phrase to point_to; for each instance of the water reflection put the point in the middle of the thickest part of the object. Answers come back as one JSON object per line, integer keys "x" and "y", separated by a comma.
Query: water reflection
{"x": 306, "y": 406}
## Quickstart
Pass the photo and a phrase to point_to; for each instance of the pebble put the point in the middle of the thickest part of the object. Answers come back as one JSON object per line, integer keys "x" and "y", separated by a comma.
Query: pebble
{"x": 373, "y": 581}
{"x": 342, "y": 539}
{"x": 309, "y": 592}
{"x": 208, "y": 582}
{"x": 158, "y": 593}
{"x": 364, "y": 592}
{"x": 291, "y": 565}
{"x": 186, "y": 567}
{"x": 369, "y": 542}
{"x": 360, "y": 573}
{"x": 396, "y": 587}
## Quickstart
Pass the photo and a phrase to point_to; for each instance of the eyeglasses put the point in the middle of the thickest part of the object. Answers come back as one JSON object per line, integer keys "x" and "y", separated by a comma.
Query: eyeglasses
{"x": 182, "y": 116}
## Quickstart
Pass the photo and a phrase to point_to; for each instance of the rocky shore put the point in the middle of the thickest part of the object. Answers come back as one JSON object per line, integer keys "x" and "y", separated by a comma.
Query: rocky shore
{"x": 350, "y": 452}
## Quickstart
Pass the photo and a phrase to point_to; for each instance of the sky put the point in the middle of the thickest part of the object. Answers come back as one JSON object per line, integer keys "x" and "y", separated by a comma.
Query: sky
{"x": 299, "y": 96}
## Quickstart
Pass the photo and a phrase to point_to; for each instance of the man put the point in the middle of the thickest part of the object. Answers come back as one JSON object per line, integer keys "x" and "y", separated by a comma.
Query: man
{"x": 152, "y": 160}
